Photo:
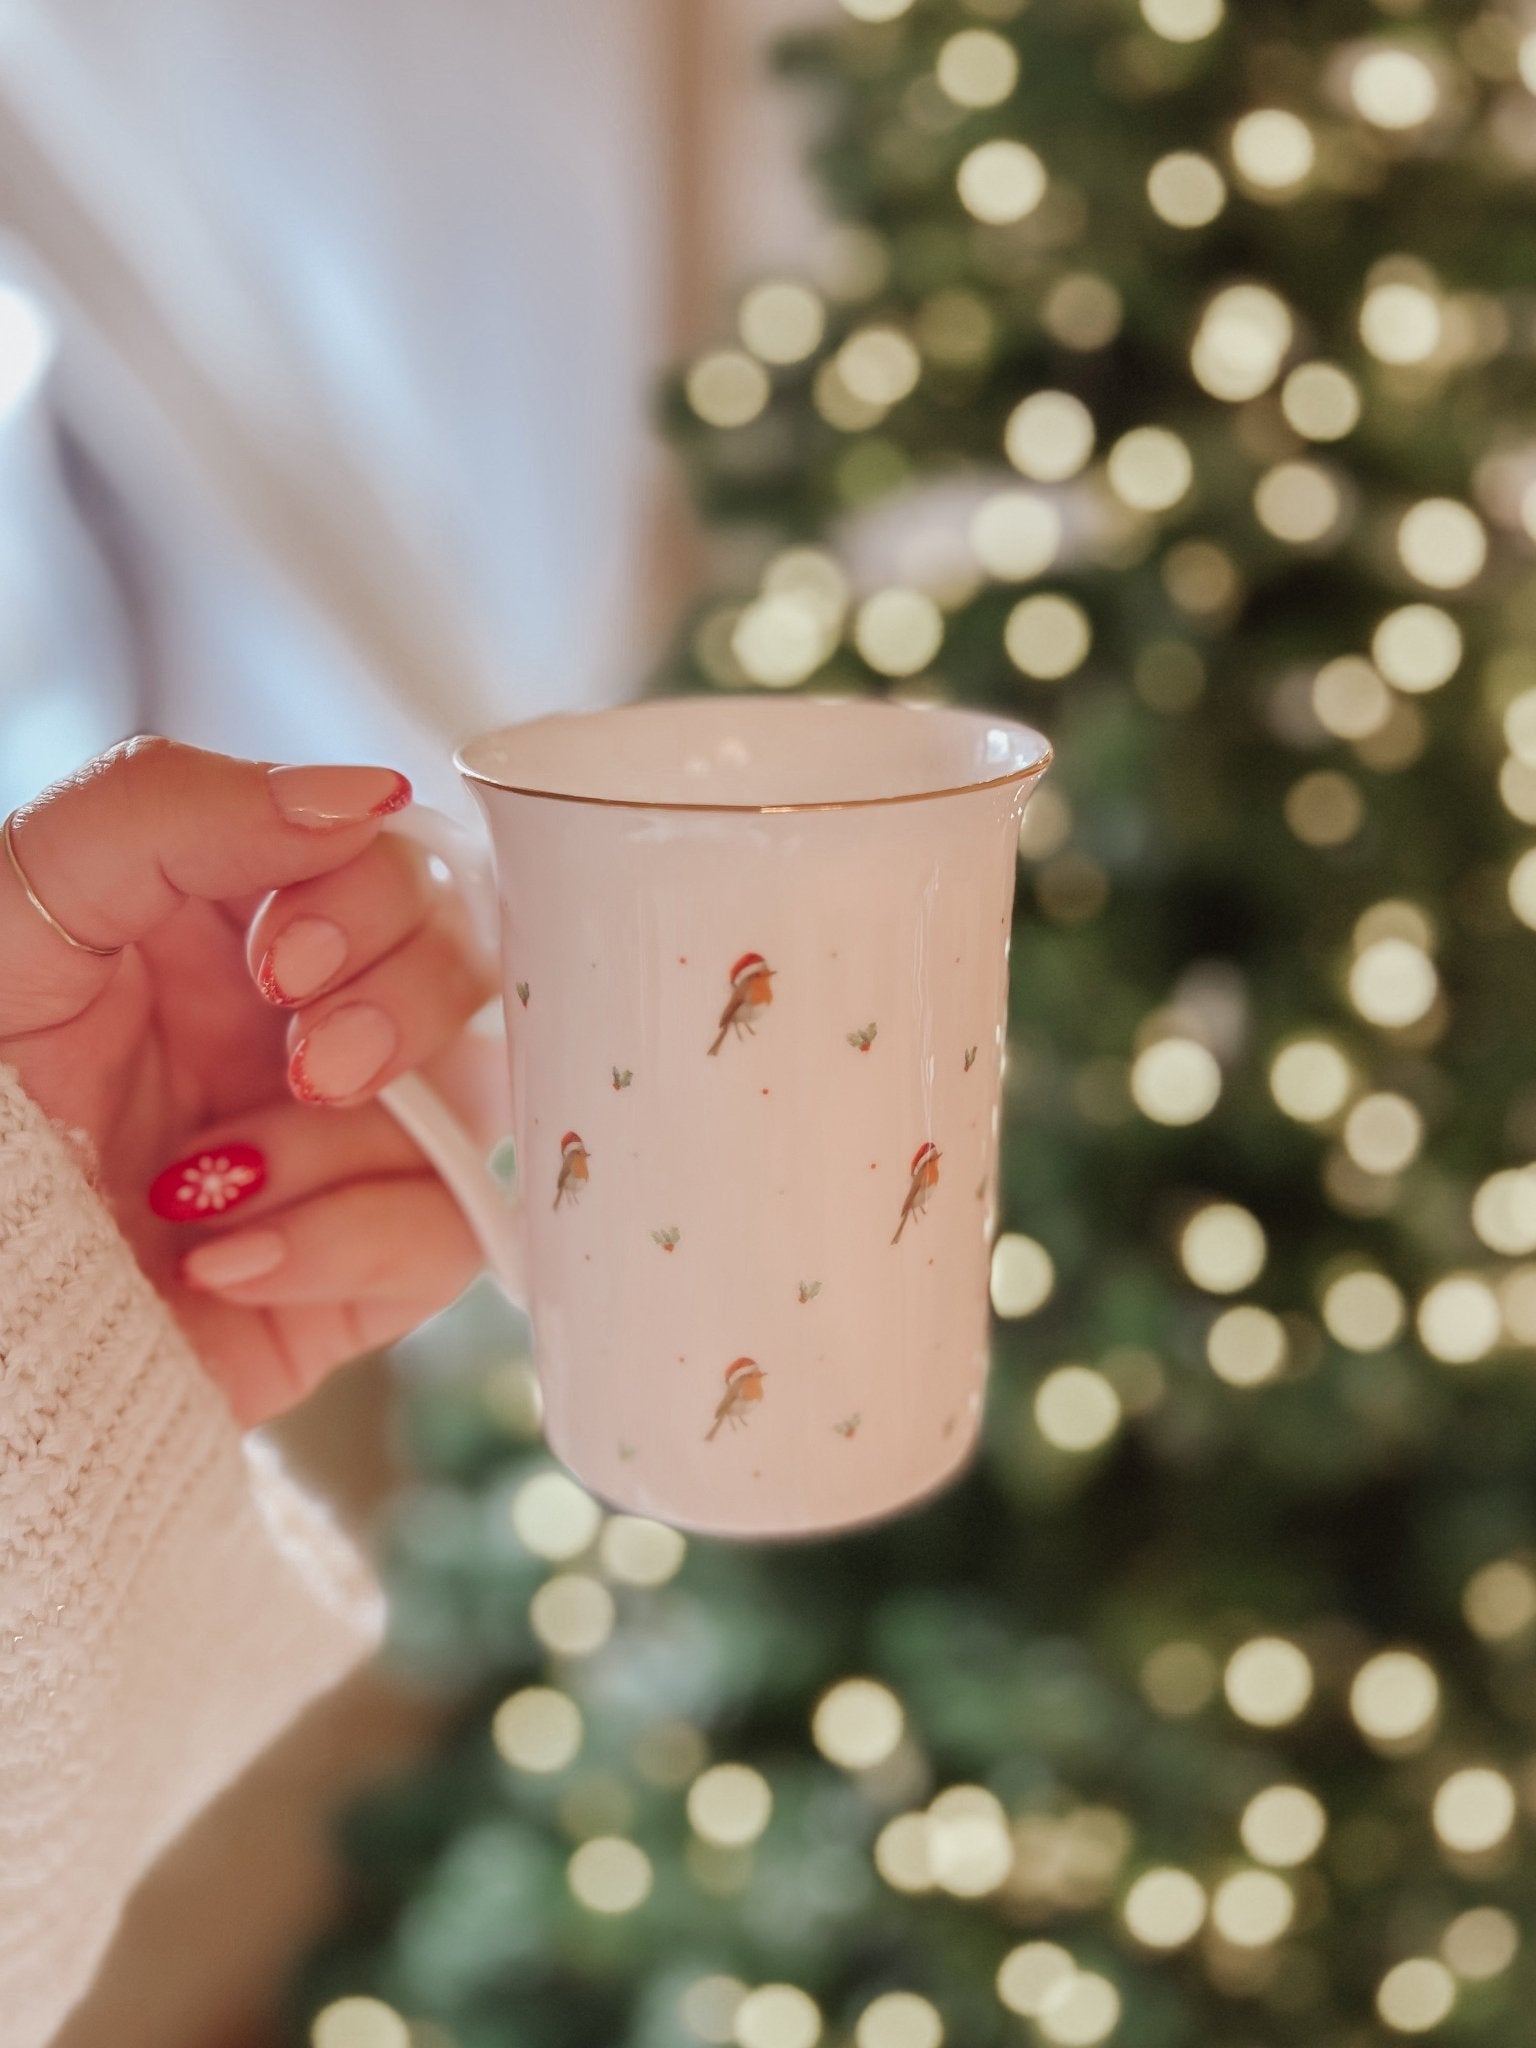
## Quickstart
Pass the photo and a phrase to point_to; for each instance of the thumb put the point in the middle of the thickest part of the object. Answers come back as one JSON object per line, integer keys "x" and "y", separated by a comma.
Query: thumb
{"x": 113, "y": 850}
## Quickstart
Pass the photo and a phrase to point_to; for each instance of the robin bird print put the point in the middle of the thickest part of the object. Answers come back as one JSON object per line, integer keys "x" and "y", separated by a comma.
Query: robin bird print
{"x": 743, "y": 1386}
{"x": 751, "y": 993}
{"x": 925, "y": 1178}
{"x": 574, "y": 1173}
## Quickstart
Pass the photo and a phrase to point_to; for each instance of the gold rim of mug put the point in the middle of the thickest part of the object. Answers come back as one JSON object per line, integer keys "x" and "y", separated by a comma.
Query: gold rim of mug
{"x": 849, "y": 803}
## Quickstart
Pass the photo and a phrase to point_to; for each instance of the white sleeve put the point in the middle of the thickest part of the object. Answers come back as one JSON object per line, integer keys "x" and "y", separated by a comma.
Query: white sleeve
{"x": 169, "y": 1598}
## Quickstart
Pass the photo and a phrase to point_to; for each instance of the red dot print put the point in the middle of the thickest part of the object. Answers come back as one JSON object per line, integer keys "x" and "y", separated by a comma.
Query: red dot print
{"x": 682, "y": 959}
{"x": 765, "y": 1091}
{"x": 873, "y": 1164}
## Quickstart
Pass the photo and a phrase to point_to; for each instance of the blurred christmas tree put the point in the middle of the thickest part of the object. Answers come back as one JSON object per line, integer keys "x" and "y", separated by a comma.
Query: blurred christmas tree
{"x": 1171, "y": 377}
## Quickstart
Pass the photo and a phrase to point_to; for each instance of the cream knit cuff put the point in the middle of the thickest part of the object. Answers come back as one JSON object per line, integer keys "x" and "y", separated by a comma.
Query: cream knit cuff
{"x": 169, "y": 1598}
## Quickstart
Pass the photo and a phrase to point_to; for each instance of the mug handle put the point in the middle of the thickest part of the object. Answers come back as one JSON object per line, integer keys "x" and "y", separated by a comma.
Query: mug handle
{"x": 493, "y": 1212}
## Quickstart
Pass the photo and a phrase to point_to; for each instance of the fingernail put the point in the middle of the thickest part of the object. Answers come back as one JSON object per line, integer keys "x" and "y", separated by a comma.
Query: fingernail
{"x": 342, "y": 1054}
{"x": 302, "y": 958}
{"x": 207, "y": 1183}
{"x": 321, "y": 797}
{"x": 227, "y": 1261}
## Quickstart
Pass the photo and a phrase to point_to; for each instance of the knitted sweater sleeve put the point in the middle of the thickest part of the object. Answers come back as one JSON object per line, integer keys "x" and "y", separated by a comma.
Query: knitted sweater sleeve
{"x": 169, "y": 1598}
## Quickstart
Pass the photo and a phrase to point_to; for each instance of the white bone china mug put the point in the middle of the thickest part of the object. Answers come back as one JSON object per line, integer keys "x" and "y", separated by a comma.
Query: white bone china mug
{"x": 755, "y": 960}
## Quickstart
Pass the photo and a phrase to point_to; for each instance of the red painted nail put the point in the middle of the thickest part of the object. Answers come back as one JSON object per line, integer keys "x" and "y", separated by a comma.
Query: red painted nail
{"x": 266, "y": 979}
{"x": 321, "y": 798}
{"x": 208, "y": 1183}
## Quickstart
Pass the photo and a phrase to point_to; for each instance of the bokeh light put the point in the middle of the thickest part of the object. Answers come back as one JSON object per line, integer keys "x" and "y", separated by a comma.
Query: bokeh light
{"x": 1252, "y": 1908}
{"x": 709, "y": 2005}
{"x": 1442, "y": 543}
{"x": 1310, "y": 1079}
{"x": 1474, "y": 1809}
{"x": 1349, "y": 698}
{"x": 1049, "y": 436}
{"x": 537, "y": 1729}
{"x": 1175, "y": 1081}
{"x": 1393, "y": 983}
{"x": 778, "y": 2015}
{"x": 610, "y": 1874}
{"x": 1186, "y": 189}
{"x": 1364, "y": 1310}
{"x": 1047, "y": 636}
{"x": 970, "y": 1850}
{"x": 572, "y": 1614}
{"x": 1246, "y": 1345}
{"x": 1458, "y": 1319}
{"x": 641, "y": 1552}
{"x": 1395, "y": 1699}
{"x": 879, "y": 365}
{"x": 1165, "y": 1908}
{"x": 1222, "y": 1248}
{"x": 1297, "y": 502}
{"x": 1083, "y": 311}
{"x": 1268, "y": 1681}
{"x": 1023, "y": 1275}
{"x": 1520, "y": 726}
{"x": 899, "y": 2019}
{"x": 1001, "y": 181}
{"x": 729, "y": 1804}
{"x": 1522, "y": 888}
{"x": 1321, "y": 401}
{"x": 1076, "y": 1408}
{"x": 779, "y": 640}
{"x": 1393, "y": 88}
{"x": 840, "y": 407}
{"x": 1030, "y": 1973}
{"x": 1499, "y": 1600}
{"x": 1481, "y": 1943}
{"x": 554, "y": 1517}
{"x": 901, "y": 1853}
{"x": 1079, "y": 2012}
{"x": 1417, "y": 647}
{"x": 1383, "y": 1132}
{"x": 1416, "y": 1995}
{"x": 1183, "y": 21}
{"x": 1273, "y": 150}
{"x": 1179, "y": 1678}
{"x": 727, "y": 388}
{"x": 1016, "y": 534}
{"x": 977, "y": 67}
{"x": 857, "y": 1723}
{"x": 1150, "y": 469}
{"x": 1324, "y": 808}
{"x": 1241, "y": 342}
{"x": 898, "y": 631}
{"x": 1400, "y": 322}
{"x": 359, "y": 2023}
{"x": 1517, "y": 789}
{"x": 1504, "y": 1211}
{"x": 781, "y": 321}
{"x": 875, "y": 10}
{"x": 1283, "y": 1825}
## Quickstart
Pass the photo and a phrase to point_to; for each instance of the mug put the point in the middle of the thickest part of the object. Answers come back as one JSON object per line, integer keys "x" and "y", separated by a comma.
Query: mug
{"x": 755, "y": 959}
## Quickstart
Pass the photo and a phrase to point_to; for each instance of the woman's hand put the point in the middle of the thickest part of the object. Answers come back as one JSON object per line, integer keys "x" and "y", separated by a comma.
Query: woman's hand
{"x": 281, "y": 960}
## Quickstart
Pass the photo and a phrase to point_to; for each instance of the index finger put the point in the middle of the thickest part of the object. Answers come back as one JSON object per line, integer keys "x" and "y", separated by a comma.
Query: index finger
{"x": 113, "y": 850}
